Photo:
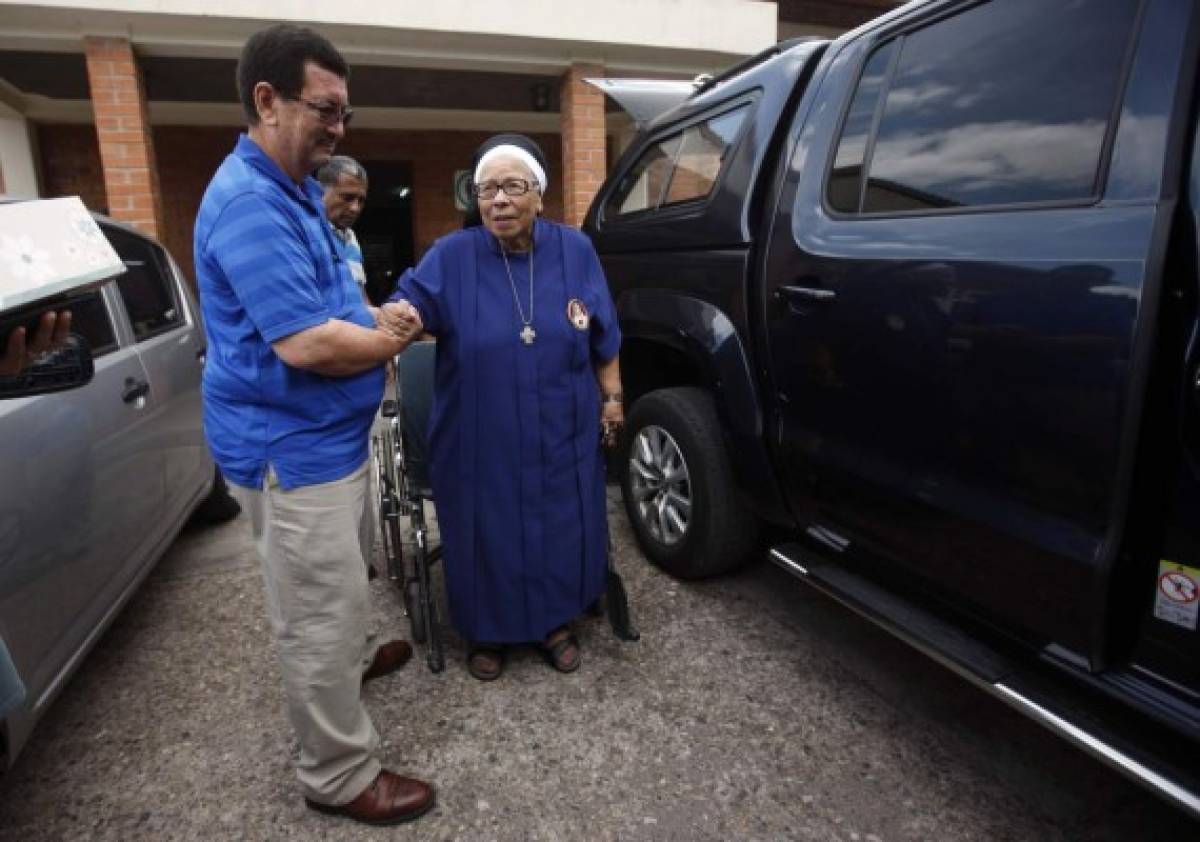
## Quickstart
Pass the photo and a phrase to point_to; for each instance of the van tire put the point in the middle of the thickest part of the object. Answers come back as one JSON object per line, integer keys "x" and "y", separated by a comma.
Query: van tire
{"x": 219, "y": 506}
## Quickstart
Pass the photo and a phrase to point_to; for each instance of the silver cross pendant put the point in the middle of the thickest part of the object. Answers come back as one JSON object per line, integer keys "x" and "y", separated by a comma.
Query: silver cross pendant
{"x": 528, "y": 334}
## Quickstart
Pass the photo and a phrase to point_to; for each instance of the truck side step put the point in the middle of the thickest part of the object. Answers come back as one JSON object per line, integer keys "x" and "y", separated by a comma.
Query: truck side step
{"x": 1148, "y": 753}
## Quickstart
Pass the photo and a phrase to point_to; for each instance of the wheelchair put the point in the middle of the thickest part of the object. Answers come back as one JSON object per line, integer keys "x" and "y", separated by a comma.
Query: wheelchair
{"x": 400, "y": 454}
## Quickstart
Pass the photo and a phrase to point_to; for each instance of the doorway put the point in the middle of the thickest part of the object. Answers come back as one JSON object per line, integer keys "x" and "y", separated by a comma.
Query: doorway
{"x": 385, "y": 229}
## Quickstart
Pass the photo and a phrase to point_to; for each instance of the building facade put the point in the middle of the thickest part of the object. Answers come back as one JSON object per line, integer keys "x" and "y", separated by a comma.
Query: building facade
{"x": 131, "y": 104}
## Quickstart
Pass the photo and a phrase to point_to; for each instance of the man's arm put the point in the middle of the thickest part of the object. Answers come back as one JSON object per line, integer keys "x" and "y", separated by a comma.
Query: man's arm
{"x": 338, "y": 348}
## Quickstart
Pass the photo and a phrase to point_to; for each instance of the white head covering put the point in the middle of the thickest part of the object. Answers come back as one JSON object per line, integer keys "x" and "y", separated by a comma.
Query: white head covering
{"x": 506, "y": 150}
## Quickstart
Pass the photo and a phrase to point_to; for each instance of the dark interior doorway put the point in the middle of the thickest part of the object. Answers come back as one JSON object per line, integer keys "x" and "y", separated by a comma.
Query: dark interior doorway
{"x": 385, "y": 229}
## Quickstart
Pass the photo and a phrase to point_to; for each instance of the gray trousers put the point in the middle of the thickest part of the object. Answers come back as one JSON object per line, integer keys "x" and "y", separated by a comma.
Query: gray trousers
{"x": 313, "y": 543}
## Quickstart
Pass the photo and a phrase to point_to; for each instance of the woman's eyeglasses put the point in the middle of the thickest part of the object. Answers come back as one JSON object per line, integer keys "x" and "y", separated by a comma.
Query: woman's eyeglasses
{"x": 510, "y": 186}
{"x": 329, "y": 113}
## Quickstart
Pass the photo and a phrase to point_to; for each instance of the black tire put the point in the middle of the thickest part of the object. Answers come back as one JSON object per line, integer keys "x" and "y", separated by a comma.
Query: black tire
{"x": 720, "y": 533}
{"x": 219, "y": 506}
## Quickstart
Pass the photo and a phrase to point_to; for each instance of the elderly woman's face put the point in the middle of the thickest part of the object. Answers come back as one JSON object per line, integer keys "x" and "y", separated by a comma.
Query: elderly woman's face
{"x": 509, "y": 218}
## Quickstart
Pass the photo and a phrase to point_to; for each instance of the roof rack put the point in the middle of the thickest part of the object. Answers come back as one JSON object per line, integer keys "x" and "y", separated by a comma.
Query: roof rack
{"x": 705, "y": 82}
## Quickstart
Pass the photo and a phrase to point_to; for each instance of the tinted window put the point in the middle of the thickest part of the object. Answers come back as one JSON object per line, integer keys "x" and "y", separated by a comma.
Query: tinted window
{"x": 1005, "y": 102}
{"x": 681, "y": 168}
{"x": 845, "y": 182}
{"x": 145, "y": 287}
{"x": 643, "y": 187}
{"x": 89, "y": 318}
{"x": 700, "y": 157}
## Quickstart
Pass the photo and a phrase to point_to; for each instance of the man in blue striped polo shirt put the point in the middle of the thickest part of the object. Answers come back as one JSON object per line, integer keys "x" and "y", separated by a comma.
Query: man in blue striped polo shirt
{"x": 292, "y": 383}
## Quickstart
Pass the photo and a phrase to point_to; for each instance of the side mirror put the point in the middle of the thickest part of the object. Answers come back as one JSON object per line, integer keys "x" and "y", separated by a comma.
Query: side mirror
{"x": 67, "y": 366}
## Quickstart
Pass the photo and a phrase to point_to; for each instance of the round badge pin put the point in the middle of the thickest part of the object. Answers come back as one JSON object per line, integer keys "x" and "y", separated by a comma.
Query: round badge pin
{"x": 577, "y": 314}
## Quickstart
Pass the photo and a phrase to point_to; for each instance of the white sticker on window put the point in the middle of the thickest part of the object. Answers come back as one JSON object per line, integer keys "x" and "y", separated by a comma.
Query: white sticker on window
{"x": 1177, "y": 597}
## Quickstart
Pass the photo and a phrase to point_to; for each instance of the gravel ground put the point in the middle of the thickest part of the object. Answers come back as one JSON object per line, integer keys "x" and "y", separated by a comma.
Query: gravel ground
{"x": 753, "y": 708}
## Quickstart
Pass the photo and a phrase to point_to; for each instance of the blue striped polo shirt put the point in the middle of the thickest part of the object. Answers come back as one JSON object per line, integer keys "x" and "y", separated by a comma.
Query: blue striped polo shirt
{"x": 267, "y": 267}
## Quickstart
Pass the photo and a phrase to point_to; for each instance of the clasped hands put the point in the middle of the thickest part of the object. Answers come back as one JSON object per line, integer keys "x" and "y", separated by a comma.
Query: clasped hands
{"x": 399, "y": 319}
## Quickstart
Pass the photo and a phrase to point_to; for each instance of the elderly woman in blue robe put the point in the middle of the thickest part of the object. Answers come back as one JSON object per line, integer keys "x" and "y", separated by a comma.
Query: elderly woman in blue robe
{"x": 527, "y": 377}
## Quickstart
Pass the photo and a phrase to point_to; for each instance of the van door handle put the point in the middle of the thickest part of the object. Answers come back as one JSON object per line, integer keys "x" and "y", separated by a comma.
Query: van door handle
{"x": 134, "y": 389}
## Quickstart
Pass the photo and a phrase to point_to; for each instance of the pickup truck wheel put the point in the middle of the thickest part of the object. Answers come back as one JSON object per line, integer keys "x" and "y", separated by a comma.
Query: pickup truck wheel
{"x": 678, "y": 487}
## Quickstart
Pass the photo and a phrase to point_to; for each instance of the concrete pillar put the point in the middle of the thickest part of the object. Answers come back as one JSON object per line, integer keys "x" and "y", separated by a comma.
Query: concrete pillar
{"x": 123, "y": 130}
{"x": 18, "y": 173}
{"x": 583, "y": 154}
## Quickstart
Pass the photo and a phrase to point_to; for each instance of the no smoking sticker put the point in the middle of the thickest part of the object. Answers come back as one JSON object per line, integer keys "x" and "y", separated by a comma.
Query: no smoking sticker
{"x": 1177, "y": 599}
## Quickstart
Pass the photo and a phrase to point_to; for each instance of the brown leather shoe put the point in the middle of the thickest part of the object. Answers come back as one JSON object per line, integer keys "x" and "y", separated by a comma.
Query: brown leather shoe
{"x": 388, "y": 658}
{"x": 390, "y": 799}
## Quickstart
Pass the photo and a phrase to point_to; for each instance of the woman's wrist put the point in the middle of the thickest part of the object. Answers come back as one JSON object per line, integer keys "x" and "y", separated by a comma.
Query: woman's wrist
{"x": 613, "y": 397}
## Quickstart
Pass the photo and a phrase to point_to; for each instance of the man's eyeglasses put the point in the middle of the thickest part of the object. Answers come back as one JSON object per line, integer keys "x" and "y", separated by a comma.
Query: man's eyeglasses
{"x": 329, "y": 113}
{"x": 510, "y": 186}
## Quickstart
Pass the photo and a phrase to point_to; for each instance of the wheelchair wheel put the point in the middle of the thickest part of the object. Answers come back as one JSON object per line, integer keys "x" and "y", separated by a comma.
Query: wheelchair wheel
{"x": 415, "y": 607}
{"x": 425, "y": 597}
{"x": 436, "y": 656}
{"x": 386, "y": 505}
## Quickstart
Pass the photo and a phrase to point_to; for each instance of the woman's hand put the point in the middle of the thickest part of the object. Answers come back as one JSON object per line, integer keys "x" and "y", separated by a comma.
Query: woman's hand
{"x": 612, "y": 420}
{"x": 400, "y": 319}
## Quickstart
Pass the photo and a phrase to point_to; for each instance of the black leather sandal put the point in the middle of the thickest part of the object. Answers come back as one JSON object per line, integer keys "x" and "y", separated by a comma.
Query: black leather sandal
{"x": 478, "y": 657}
{"x": 554, "y": 652}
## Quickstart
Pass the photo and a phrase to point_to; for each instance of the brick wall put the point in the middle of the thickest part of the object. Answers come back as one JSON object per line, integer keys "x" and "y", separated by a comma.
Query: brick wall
{"x": 70, "y": 159}
{"x": 188, "y": 156}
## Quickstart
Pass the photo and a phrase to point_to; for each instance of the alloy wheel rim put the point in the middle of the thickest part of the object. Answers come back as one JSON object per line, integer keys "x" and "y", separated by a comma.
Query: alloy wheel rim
{"x": 661, "y": 485}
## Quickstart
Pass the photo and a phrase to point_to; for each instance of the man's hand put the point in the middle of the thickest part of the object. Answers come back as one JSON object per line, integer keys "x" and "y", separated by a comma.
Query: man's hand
{"x": 51, "y": 333}
{"x": 400, "y": 319}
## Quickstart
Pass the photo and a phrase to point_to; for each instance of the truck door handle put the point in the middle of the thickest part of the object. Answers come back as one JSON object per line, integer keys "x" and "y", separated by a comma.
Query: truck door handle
{"x": 797, "y": 296}
{"x": 134, "y": 389}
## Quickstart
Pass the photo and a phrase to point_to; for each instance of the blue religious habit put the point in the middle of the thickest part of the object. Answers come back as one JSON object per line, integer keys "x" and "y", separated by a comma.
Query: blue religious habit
{"x": 515, "y": 460}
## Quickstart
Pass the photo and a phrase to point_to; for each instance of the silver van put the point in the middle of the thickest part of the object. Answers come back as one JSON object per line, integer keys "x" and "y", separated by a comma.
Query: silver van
{"x": 96, "y": 481}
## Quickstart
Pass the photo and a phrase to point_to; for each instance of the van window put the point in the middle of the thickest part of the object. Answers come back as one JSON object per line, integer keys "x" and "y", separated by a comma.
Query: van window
{"x": 995, "y": 106}
{"x": 681, "y": 168}
{"x": 146, "y": 287}
{"x": 90, "y": 319}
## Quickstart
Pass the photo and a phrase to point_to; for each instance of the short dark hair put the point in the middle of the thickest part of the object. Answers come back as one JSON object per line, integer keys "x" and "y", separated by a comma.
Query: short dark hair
{"x": 340, "y": 165}
{"x": 277, "y": 55}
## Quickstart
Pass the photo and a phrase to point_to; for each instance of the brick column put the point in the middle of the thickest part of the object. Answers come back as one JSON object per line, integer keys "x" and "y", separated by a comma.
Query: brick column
{"x": 123, "y": 130}
{"x": 582, "y": 121}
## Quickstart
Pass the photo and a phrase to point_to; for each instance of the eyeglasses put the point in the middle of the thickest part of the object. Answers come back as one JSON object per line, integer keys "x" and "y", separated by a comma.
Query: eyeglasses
{"x": 510, "y": 186}
{"x": 329, "y": 113}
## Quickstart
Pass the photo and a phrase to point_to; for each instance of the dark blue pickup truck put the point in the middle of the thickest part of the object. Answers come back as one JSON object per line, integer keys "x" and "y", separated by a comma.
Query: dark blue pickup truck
{"x": 914, "y": 313}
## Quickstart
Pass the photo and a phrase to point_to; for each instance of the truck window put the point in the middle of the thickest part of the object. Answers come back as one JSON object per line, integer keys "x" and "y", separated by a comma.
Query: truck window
{"x": 683, "y": 167}
{"x": 845, "y": 182}
{"x": 993, "y": 106}
{"x": 643, "y": 187}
